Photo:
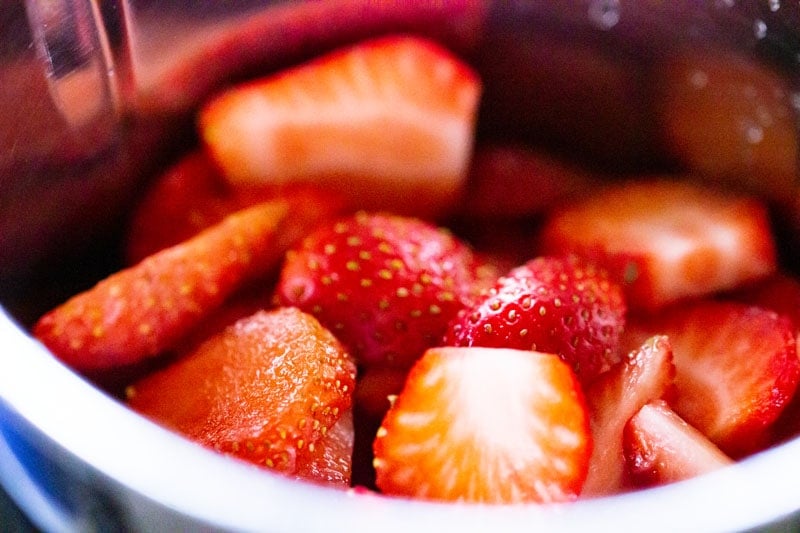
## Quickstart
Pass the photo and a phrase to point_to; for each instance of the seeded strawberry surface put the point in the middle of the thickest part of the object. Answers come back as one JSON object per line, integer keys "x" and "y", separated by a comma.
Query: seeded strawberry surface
{"x": 266, "y": 389}
{"x": 556, "y": 305}
{"x": 387, "y": 286}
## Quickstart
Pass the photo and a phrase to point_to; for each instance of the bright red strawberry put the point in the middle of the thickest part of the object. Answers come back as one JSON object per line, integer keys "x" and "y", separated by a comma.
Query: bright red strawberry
{"x": 646, "y": 374}
{"x": 266, "y": 390}
{"x": 660, "y": 447}
{"x": 550, "y": 304}
{"x": 389, "y": 122}
{"x": 514, "y": 180}
{"x": 485, "y": 425}
{"x": 666, "y": 240}
{"x": 736, "y": 370}
{"x": 386, "y": 285}
{"x": 145, "y": 309}
{"x": 329, "y": 461}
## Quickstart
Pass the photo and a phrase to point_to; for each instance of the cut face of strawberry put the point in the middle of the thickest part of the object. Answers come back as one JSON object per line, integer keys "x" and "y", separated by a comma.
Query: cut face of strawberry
{"x": 389, "y": 121}
{"x": 485, "y": 425}
{"x": 666, "y": 240}
{"x": 145, "y": 309}
{"x": 660, "y": 447}
{"x": 736, "y": 370}
{"x": 646, "y": 374}
{"x": 386, "y": 285}
{"x": 267, "y": 390}
{"x": 551, "y": 304}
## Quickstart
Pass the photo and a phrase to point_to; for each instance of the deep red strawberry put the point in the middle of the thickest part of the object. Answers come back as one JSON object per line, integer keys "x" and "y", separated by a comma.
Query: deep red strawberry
{"x": 665, "y": 240}
{"x": 660, "y": 447}
{"x": 145, "y": 309}
{"x": 376, "y": 388}
{"x": 266, "y": 390}
{"x": 485, "y": 425}
{"x": 389, "y": 122}
{"x": 550, "y": 304}
{"x": 646, "y": 374}
{"x": 191, "y": 196}
{"x": 780, "y": 293}
{"x": 736, "y": 370}
{"x": 386, "y": 285}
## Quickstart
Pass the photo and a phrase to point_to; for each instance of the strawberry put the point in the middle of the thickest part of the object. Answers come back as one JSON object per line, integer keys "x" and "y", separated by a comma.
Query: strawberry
{"x": 329, "y": 461}
{"x": 326, "y": 123}
{"x": 550, "y": 304}
{"x": 779, "y": 293}
{"x": 666, "y": 240}
{"x": 646, "y": 374}
{"x": 145, "y": 309}
{"x": 660, "y": 447}
{"x": 508, "y": 180}
{"x": 191, "y": 196}
{"x": 385, "y": 285}
{"x": 730, "y": 120}
{"x": 736, "y": 370}
{"x": 267, "y": 390}
{"x": 485, "y": 425}
{"x": 376, "y": 388}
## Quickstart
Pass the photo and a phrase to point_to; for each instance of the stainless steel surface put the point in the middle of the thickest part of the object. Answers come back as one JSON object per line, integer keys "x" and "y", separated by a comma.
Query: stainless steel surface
{"x": 97, "y": 95}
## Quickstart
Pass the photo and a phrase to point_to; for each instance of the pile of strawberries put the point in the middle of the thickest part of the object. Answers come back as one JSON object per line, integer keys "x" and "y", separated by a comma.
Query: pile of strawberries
{"x": 291, "y": 281}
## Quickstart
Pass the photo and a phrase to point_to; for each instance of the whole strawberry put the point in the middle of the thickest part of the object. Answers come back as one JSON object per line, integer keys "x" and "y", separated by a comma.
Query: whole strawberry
{"x": 550, "y": 304}
{"x": 386, "y": 285}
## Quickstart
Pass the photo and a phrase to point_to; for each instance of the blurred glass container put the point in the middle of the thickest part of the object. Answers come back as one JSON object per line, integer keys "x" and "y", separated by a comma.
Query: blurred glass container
{"x": 96, "y": 96}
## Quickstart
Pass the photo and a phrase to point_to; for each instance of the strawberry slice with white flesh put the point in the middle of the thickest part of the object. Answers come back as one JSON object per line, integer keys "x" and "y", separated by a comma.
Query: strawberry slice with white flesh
{"x": 489, "y": 425}
{"x": 388, "y": 121}
{"x": 646, "y": 374}
{"x": 736, "y": 370}
{"x": 665, "y": 240}
{"x": 660, "y": 448}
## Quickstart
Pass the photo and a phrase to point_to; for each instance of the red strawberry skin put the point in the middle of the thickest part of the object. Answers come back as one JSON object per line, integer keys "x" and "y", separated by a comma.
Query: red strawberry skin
{"x": 389, "y": 121}
{"x": 646, "y": 374}
{"x": 266, "y": 390}
{"x": 660, "y": 448}
{"x": 666, "y": 240}
{"x": 550, "y": 304}
{"x": 485, "y": 425}
{"x": 329, "y": 461}
{"x": 387, "y": 286}
{"x": 145, "y": 309}
{"x": 736, "y": 370}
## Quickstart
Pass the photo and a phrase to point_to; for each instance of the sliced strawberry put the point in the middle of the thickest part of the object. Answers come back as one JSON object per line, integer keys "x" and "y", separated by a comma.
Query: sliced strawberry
{"x": 780, "y": 293}
{"x": 729, "y": 120}
{"x": 191, "y": 196}
{"x": 386, "y": 285}
{"x": 329, "y": 461}
{"x": 266, "y": 390}
{"x": 660, "y": 447}
{"x": 550, "y": 304}
{"x": 737, "y": 369}
{"x": 485, "y": 425}
{"x": 514, "y": 180}
{"x": 145, "y": 309}
{"x": 646, "y": 374}
{"x": 389, "y": 122}
{"x": 666, "y": 240}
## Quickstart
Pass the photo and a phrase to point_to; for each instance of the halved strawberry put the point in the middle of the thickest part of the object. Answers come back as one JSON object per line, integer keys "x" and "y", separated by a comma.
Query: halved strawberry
{"x": 145, "y": 309}
{"x": 386, "y": 285}
{"x": 564, "y": 306}
{"x": 665, "y": 240}
{"x": 266, "y": 390}
{"x": 736, "y": 370}
{"x": 779, "y": 293}
{"x": 389, "y": 122}
{"x": 485, "y": 425}
{"x": 660, "y": 447}
{"x": 646, "y": 374}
